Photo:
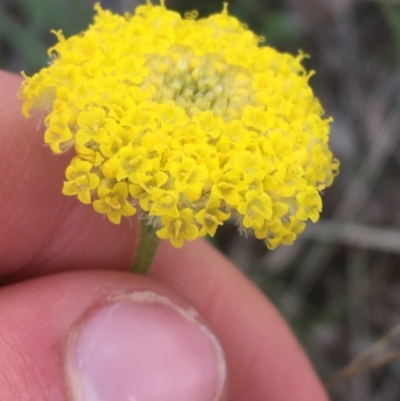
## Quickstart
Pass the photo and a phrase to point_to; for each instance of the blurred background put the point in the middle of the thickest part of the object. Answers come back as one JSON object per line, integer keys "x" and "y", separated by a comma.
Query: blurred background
{"x": 339, "y": 284}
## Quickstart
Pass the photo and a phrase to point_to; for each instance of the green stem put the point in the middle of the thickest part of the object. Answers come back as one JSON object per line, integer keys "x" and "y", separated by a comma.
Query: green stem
{"x": 148, "y": 243}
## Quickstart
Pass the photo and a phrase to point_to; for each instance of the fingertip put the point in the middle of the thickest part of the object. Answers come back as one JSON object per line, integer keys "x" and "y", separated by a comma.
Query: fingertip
{"x": 265, "y": 359}
{"x": 99, "y": 336}
{"x": 160, "y": 351}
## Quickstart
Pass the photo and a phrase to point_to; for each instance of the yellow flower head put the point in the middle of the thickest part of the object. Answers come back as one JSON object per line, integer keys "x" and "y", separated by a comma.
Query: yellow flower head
{"x": 189, "y": 120}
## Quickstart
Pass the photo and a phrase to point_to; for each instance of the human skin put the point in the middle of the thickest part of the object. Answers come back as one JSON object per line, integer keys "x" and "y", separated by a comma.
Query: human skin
{"x": 60, "y": 259}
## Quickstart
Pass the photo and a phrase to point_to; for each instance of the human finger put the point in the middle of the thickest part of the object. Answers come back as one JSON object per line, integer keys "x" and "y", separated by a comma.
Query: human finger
{"x": 43, "y": 231}
{"x": 86, "y": 336}
{"x": 265, "y": 359}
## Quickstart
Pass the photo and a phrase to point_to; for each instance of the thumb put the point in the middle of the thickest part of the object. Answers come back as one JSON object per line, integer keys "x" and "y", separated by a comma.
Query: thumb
{"x": 86, "y": 336}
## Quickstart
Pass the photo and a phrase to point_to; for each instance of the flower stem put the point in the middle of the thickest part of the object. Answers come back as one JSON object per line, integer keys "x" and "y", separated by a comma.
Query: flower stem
{"x": 147, "y": 248}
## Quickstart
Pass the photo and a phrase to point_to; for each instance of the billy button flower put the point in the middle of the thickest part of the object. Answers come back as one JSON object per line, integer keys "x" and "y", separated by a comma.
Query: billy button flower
{"x": 189, "y": 122}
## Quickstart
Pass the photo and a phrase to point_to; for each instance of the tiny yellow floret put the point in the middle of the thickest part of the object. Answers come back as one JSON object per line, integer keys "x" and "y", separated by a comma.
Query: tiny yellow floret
{"x": 80, "y": 180}
{"x": 113, "y": 202}
{"x": 179, "y": 228}
{"x": 188, "y": 121}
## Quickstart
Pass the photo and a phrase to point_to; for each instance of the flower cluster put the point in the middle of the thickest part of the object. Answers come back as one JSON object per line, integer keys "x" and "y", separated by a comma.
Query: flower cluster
{"x": 190, "y": 121}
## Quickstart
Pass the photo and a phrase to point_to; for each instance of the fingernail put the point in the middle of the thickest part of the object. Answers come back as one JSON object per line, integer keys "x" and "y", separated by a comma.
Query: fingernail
{"x": 143, "y": 347}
